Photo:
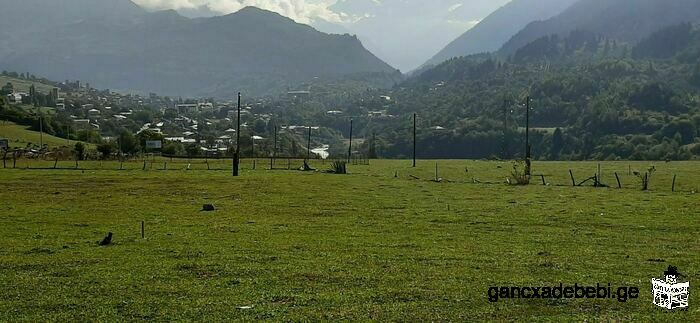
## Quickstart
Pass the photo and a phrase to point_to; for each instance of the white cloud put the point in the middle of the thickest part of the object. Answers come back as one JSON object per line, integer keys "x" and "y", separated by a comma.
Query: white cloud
{"x": 303, "y": 11}
{"x": 454, "y": 7}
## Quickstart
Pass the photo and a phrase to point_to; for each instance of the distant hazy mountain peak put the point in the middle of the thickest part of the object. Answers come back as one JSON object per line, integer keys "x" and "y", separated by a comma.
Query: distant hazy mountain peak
{"x": 626, "y": 20}
{"x": 253, "y": 50}
{"x": 493, "y": 31}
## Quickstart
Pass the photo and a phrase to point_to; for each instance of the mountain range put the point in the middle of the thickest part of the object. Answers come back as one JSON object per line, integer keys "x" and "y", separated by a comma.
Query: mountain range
{"x": 621, "y": 20}
{"x": 496, "y": 29}
{"x": 118, "y": 45}
{"x": 115, "y": 44}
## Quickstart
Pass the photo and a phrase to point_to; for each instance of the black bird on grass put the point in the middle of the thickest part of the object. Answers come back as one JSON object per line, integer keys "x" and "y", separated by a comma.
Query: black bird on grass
{"x": 107, "y": 240}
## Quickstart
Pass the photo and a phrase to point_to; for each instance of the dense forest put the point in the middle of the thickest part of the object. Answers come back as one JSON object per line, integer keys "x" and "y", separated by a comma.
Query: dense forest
{"x": 591, "y": 98}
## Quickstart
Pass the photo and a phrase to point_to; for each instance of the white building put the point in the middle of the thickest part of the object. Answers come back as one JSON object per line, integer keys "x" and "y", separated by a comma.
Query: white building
{"x": 205, "y": 107}
{"x": 186, "y": 108}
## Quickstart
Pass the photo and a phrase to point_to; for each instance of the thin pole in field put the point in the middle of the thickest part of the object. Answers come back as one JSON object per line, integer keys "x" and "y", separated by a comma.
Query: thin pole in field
{"x": 308, "y": 146}
{"x": 414, "y": 139}
{"x": 505, "y": 129}
{"x": 41, "y": 130}
{"x": 350, "y": 147}
{"x": 573, "y": 181}
{"x": 528, "y": 161}
{"x": 237, "y": 153}
{"x": 673, "y": 186}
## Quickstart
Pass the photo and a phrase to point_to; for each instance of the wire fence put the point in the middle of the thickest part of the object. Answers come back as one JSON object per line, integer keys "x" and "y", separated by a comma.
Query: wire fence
{"x": 675, "y": 176}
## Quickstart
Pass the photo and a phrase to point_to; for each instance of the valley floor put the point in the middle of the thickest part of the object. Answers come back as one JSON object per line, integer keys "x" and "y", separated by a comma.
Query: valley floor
{"x": 384, "y": 242}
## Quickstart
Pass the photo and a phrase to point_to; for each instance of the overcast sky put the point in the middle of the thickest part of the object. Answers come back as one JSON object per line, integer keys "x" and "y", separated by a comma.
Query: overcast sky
{"x": 404, "y": 33}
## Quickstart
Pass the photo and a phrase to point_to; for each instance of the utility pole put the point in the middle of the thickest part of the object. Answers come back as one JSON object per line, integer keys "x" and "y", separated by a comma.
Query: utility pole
{"x": 252, "y": 139}
{"x": 528, "y": 150}
{"x": 308, "y": 146}
{"x": 41, "y": 130}
{"x": 350, "y": 147}
{"x": 505, "y": 129}
{"x": 274, "y": 149}
{"x": 414, "y": 140}
{"x": 237, "y": 153}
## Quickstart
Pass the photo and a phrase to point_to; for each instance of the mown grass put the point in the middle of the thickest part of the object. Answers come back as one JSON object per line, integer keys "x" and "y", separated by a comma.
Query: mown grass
{"x": 19, "y": 136}
{"x": 313, "y": 246}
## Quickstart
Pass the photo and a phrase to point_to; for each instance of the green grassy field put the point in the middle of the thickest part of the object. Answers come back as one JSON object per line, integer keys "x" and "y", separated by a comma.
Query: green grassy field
{"x": 19, "y": 136}
{"x": 289, "y": 245}
{"x": 22, "y": 85}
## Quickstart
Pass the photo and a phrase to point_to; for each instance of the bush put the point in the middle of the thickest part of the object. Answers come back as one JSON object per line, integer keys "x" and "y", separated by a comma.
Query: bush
{"x": 517, "y": 175}
{"x": 79, "y": 150}
{"x": 645, "y": 177}
{"x": 339, "y": 167}
{"x": 106, "y": 149}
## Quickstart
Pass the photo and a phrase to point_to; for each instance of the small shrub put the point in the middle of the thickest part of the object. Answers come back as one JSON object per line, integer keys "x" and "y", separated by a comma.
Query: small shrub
{"x": 518, "y": 176}
{"x": 339, "y": 167}
{"x": 645, "y": 177}
{"x": 79, "y": 150}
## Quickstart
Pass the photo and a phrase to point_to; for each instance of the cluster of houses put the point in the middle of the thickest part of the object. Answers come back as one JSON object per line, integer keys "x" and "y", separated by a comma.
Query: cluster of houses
{"x": 181, "y": 121}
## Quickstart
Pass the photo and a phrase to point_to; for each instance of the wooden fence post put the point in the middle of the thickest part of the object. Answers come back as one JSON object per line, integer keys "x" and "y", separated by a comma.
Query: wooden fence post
{"x": 573, "y": 181}
{"x": 619, "y": 184}
{"x": 646, "y": 181}
{"x": 673, "y": 186}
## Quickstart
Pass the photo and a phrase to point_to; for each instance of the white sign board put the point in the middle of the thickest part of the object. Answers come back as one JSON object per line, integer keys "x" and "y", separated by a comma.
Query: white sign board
{"x": 154, "y": 144}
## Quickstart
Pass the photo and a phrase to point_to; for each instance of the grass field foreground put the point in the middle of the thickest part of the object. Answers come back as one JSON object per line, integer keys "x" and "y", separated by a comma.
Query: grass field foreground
{"x": 382, "y": 243}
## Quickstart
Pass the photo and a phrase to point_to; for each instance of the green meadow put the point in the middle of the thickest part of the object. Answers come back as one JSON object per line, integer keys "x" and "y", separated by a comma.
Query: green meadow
{"x": 386, "y": 242}
{"x": 21, "y": 136}
{"x": 22, "y": 85}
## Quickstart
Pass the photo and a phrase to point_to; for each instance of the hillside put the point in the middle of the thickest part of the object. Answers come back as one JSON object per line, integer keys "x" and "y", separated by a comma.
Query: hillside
{"x": 20, "y": 136}
{"x": 169, "y": 54}
{"x": 622, "y": 20}
{"x": 23, "y": 85}
{"x": 592, "y": 98}
{"x": 493, "y": 31}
